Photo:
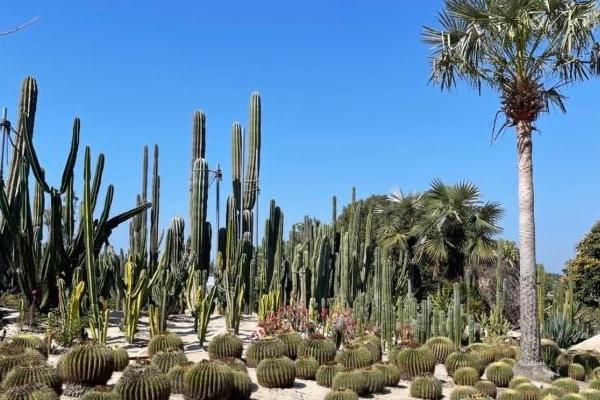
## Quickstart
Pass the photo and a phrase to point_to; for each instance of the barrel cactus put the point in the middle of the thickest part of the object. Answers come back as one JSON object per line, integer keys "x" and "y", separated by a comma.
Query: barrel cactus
{"x": 341, "y": 394}
{"x": 441, "y": 347}
{"x": 589, "y": 359}
{"x": 517, "y": 380}
{"x": 143, "y": 382}
{"x": 510, "y": 394}
{"x": 414, "y": 362}
{"x": 353, "y": 380}
{"x": 242, "y": 386}
{"x": 354, "y": 356}
{"x": 100, "y": 393}
{"x": 28, "y": 341}
{"x": 562, "y": 362}
{"x": 499, "y": 373}
{"x": 268, "y": 347}
{"x": 590, "y": 394}
{"x": 486, "y": 352}
{"x": 576, "y": 372}
{"x": 460, "y": 359}
{"x": 529, "y": 391}
{"x": 120, "y": 358}
{"x": 33, "y": 373}
{"x": 466, "y": 376}
{"x": 551, "y": 390}
{"x": 29, "y": 392}
{"x": 505, "y": 351}
{"x": 486, "y": 388}
{"x": 11, "y": 356}
{"x": 595, "y": 373}
{"x": 509, "y": 361}
{"x": 176, "y": 374}
{"x": 319, "y": 347}
{"x": 550, "y": 351}
{"x": 463, "y": 393}
{"x": 326, "y": 372}
{"x": 573, "y": 396}
{"x": 276, "y": 372}
{"x": 168, "y": 359}
{"x": 568, "y": 385}
{"x": 208, "y": 380}
{"x": 375, "y": 379}
{"x": 163, "y": 342}
{"x": 306, "y": 368}
{"x": 84, "y": 367}
{"x": 426, "y": 387}
{"x": 292, "y": 340}
{"x": 225, "y": 345}
{"x": 595, "y": 383}
{"x": 551, "y": 396}
{"x": 372, "y": 343}
{"x": 235, "y": 364}
{"x": 391, "y": 373}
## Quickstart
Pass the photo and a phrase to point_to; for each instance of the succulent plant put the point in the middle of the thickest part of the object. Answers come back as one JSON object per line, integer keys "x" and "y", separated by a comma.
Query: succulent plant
{"x": 143, "y": 382}
{"x": 86, "y": 365}
{"x": 326, "y": 372}
{"x": 29, "y": 392}
{"x": 462, "y": 393}
{"x": 319, "y": 347}
{"x": 595, "y": 383}
{"x": 517, "y": 380}
{"x": 509, "y": 394}
{"x": 414, "y": 362}
{"x": 595, "y": 373}
{"x": 486, "y": 352}
{"x": 466, "y": 376}
{"x": 242, "y": 385}
{"x": 353, "y": 380}
{"x": 441, "y": 347}
{"x": 100, "y": 393}
{"x": 163, "y": 342}
{"x": 269, "y": 347}
{"x": 225, "y": 345}
{"x": 176, "y": 374}
{"x": 341, "y": 394}
{"x": 460, "y": 359}
{"x": 505, "y": 351}
{"x": 373, "y": 343}
{"x": 168, "y": 359}
{"x": 276, "y": 372}
{"x": 529, "y": 391}
{"x": 550, "y": 396}
{"x": 75, "y": 390}
{"x": 292, "y": 340}
{"x": 567, "y": 385}
{"x": 12, "y": 356}
{"x": 576, "y": 371}
{"x": 208, "y": 380}
{"x": 375, "y": 379}
{"x": 235, "y": 364}
{"x": 354, "y": 356}
{"x": 426, "y": 387}
{"x": 120, "y": 358}
{"x": 573, "y": 396}
{"x": 33, "y": 373}
{"x": 509, "y": 361}
{"x": 499, "y": 373}
{"x": 551, "y": 390}
{"x": 28, "y": 341}
{"x": 590, "y": 394}
{"x": 589, "y": 359}
{"x": 550, "y": 351}
{"x": 306, "y": 368}
{"x": 391, "y": 373}
{"x": 562, "y": 362}
{"x": 486, "y": 388}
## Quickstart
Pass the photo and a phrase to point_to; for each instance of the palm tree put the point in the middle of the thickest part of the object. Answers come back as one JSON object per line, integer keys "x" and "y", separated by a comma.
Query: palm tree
{"x": 527, "y": 51}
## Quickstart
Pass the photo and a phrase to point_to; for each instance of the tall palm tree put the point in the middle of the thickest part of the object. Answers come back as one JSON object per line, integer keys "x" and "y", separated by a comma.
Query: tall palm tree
{"x": 527, "y": 51}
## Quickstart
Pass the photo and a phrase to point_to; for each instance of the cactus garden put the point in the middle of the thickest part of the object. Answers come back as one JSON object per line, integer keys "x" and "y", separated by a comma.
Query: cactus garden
{"x": 201, "y": 284}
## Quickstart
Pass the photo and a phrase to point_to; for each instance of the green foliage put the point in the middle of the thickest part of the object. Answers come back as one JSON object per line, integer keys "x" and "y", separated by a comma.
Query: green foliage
{"x": 391, "y": 373}
{"x": 166, "y": 360}
{"x": 529, "y": 391}
{"x": 466, "y": 376}
{"x": 462, "y": 359}
{"x": 12, "y": 356}
{"x": 225, "y": 345}
{"x": 292, "y": 340}
{"x": 341, "y": 394}
{"x": 375, "y": 379}
{"x": 242, "y": 385}
{"x": 326, "y": 372}
{"x": 306, "y": 367}
{"x": 567, "y": 385}
{"x": 120, "y": 358}
{"x": 462, "y": 393}
{"x": 29, "y": 392}
{"x": 163, "y": 342}
{"x": 584, "y": 269}
{"x": 353, "y": 380}
{"x": 499, "y": 373}
{"x": 576, "y": 372}
{"x": 486, "y": 388}
{"x": 143, "y": 382}
{"x": 426, "y": 387}
{"x": 22, "y": 375}
{"x": 100, "y": 393}
{"x": 87, "y": 364}
{"x": 268, "y": 347}
{"x": 319, "y": 347}
{"x": 441, "y": 347}
{"x": 415, "y": 362}
{"x": 176, "y": 376}
{"x": 276, "y": 372}
{"x": 354, "y": 356}
{"x": 563, "y": 330}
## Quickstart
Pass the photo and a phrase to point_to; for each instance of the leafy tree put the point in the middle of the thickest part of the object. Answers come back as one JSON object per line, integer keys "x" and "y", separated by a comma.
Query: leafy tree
{"x": 584, "y": 269}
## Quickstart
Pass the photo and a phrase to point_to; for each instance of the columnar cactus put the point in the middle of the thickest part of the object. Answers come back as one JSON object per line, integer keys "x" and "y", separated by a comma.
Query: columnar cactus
{"x": 354, "y": 356}
{"x": 529, "y": 391}
{"x": 510, "y": 394}
{"x": 292, "y": 340}
{"x": 499, "y": 373}
{"x": 225, "y": 345}
{"x": 426, "y": 387}
{"x": 120, "y": 358}
{"x": 463, "y": 393}
{"x": 163, "y": 342}
{"x": 33, "y": 373}
{"x": 143, "y": 382}
{"x": 242, "y": 385}
{"x": 260, "y": 349}
{"x": 518, "y": 380}
{"x": 306, "y": 368}
{"x": 461, "y": 359}
{"x": 318, "y": 347}
{"x": 414, "y": 362}
{"x": 391, "y": 373}
{"x": 568, "y": 385}
{"x": 576, "y": 372}
{"x": 100, "y": 393}
{"x": 353, "y": 380}
{"x": 341, "y": 394}
{"x": 441, "y": 347}
{"x": 166, "y": 360}
{"x": 326, "y": 373}
{"x": 276, "y": 372}
{"x": 486, "y": 388}
{"x": 86, "y": 365}
{"x": 375, "y": 379}
{"x": 29, "y": 392}
{"x": 466, "y": 376}
{"x": 12, "y": 356}
{"x": 176, "y": 374}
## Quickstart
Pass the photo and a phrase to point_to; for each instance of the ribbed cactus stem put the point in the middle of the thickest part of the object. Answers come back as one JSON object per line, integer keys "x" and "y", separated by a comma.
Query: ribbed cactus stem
{"x": 252, "y": 175}
{"x": 199, "y": 212}
{"x": 237, "y": 163}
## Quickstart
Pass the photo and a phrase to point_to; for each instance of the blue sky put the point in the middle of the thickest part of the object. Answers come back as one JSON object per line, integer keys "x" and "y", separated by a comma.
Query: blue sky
{"x": 345, "y": 102}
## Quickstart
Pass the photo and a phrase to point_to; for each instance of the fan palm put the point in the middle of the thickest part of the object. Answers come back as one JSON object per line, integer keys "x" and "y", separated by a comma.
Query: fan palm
{"x": 526, "y": 51}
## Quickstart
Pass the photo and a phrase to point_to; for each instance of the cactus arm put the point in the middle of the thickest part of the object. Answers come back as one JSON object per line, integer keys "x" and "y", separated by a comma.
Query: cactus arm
{"x": 70, "y": 165}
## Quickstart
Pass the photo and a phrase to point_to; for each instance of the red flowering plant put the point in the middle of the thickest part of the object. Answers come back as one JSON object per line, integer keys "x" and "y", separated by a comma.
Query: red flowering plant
{"x": 286, "y": 319}
{"x": 341, "y": 324}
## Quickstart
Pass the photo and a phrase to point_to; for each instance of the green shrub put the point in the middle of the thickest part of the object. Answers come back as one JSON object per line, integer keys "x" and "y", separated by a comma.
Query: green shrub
{"x": 414, "y": 362}
{"x": 143, "y": 382}
{"x": 319, "y": 347}
{"x": 341, "y": 394}
{"x": 353, "y": 380}
{"x": 391, "y": 373}
{"x": 306, "y": 368}
{"x": 486, "y": 388}
{"x": 426, "y": 387}
{"x": 567, "y": 385}
{"x": 460, "y": 359}
{"x": 499, "y": 373}
{"x": 163, "y": 342}
{"x": 292, "y": 340}
{"x": 225, "y": 345}
{"x": 326, "y": 372}
{"x": 43, "y": 374}
{"x": 375, "y": 379}
{"x": 278, "y": 372}
{"x": 441, "y": 347}
{"x": 269, "y": 347}
{"x": 354, "y": 356}
{"x": 463, "y": 393}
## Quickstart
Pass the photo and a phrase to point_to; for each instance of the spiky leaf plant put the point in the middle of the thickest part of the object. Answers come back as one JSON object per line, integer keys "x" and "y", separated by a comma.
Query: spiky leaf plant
{"x": 414, "y": 362}
{"x": 163, "y": 342}
{"x": 499, "y": 373}
{"x": 463, "y": 393}
{"x": 354, "y": 356}
{"x": 176, "y": 374}
{"x": 426, "y": 387}
{"x": 292, "y": 340}
{"x": 441, "y": 347}
{"x": 590, "y": 394}
{"x": 576, "y": 372}
{"x": 276, "y": 372}
{"x": 143, "y": 382}
{"x": 353, "y": 380}
{"x": 306, "y": 368}
{"x": 486, "y": 352}
{"x": 486, "y": 388}
{"x": 242, "y": 385}
{"x": 326, "y": 372}
{"x": 32, "y": 391}
{"x": 509, "y": 394}
{"x": 375, "y": 379}
{"x": 225, "y": 345}
{"x": 235, "y": 364}
{"x": 208, "y": 380}
{"x": 466, "y": 376}
{"x": 33, "y": 373}
{"x": 11, "y": 356}
{"x": 319, "y": 347}
{"x": 120, "y": 357}
{"x": 341, "y": 394}
{"x": 529, "y": 391}
{"x": 168, "y": 359}
{"x": 567, "y": 385}
{"x": 86, "y": 365}
{"x": 390, "y": 372}
{"x": 550, "y": 351}
{"x": 268, "y": 347}
{"x": 28, "y": 341}
{"x": 460, "y": 359}
{"x": 100, "y": 393}
{"x": 517, "y": 380}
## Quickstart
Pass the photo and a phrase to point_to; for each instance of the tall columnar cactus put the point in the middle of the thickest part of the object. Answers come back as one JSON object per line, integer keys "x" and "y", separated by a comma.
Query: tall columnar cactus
{"x": 456, "y": 322}
{"x": 198, "y": 146}
{"x": 200, "y": 228}
{"x": 252, "y": 175}
{"x": 135, "y": 281}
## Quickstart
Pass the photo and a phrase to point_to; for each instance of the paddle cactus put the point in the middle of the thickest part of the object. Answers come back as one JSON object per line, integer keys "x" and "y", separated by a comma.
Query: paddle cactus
{"x": 306, "y": 368}
{"x": 499, "y": 373}
{"x": 326, "y": 372}
{"x": 276, "y": 372}
{"x": 143, "y": 382}
{"x": 426, "y": 387}
{"x": 269, "y": 347}
{"x": 225, "y": 345}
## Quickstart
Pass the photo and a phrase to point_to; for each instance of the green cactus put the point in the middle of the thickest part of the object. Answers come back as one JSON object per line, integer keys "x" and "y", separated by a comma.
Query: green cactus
{"x": 341, "y": 394}
{"x": 505, "y": 351}
{"x": 573, "y": 396}
{"x": 225, "y": 345}
{"x": 414, "y": 362}
{"x": 486, "y": 352}
{"x": 354, "y": 356}
{"x": 550, "y": 351}
{"x": 319, "y": 347}
{"x": 461, "y": 359}
{"x": 242, "y": 385}
{"x": 576, "y": 372}
{"x": 466, "y": 376}
{"x": 588, "y": 359}
{"x": 100, "y": 393}
{"x": 441, "y": 347}
{"x": 551, "y": 390}
{"x": 562, "y": 363}
{"x": 33, "y": 373}
{"x": 375, "y": 379}
{"x": 292, "y": 340}
{"x": 499, "y": 373}
{"x": 235, "y": 364}
{"x": 510, "y": 394}
{"x": 276, "y": 372}
{"x": 326, "y": 372}
{"x": 306, "y": 368}
{"x": 486, "y": 388}
{"x": 373, "y": 343}
{"x": 13, "y": 356}
{"x": 87, "y": 365}
{"x": 120, "y": 358}
{"x": 253, "y": 171}
{"x": 595, "y": 373}
{"x": 508, "y": 361}
{"x": 518, "y": 380}
{"x": 569, "y": 385}
{"x": 391, "y": 373}
{"x": 463, "y": 393}
{"x": 551, "y": 397}
{"x": 164, "y": 342}
{"x": 268, "y": 347}
{"x": 166, "y": 360}
{"x": 590, "y": 394}
{"x": 143, "y": 382}
{"x": 426, "y": 387}
{"x": 208, "y": 380}
{"x": 30, "y": 341}
{"x": 176, "y": 374}
{"x": 29, "y": 392}
{"x": 529, "y": 391}
{"x": 353, "y": 380}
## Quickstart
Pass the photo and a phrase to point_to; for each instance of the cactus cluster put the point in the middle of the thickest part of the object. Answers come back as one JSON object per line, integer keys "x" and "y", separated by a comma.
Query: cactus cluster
{"x": 276, "y": 372}
{"x": 29, "y": 341}
{"x": 29, "y": 392}
{"x": 100, "y": 393}
{"x": 460, "y": 359}
{"x": 306, "y": 367}
{"x": 208, "y": 380}
{"x": 341, "y": 394}
{"x": 391, "y": 373}
{"x": 326, "y": 372}
{"x": 414, "y": 362}
{"x": 426, "y": 387}
{"x": 441, "y": 347}
{"x": 466, "y": 376}
{"x": 224, "y": 346}
{"x": 319, "y": 347}
{"x": 12, "y": 356}
{"x": 499, "y": 373}
{"x": 143, "y": 382}
{"x": 33, "y": 374}
{"x": 463, "y": 393}
{"x": 354, "y": 356}
{"x": 163, "y": 342}
{"x": 292, "y": 340}
{"x": 486, "y": 352}
{"x": 373, "y": 343}
{"x": 235, "y": 364}
{"x": 268, "y": 347}
{"x": 353, "y": 380}
{"x": 166, "y": 360}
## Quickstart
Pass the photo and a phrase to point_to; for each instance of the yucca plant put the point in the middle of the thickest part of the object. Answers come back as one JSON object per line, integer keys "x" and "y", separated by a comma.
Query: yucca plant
{"x": 499, "y": 373}
{"x": 292, "y": 340}
{"x": 341, "y": 394}
{"x": 225, "y": 345}
{"x": 486, "y": 388}
{"x": 352, "y": 380}
{"x": 466, "y": 376}
{"x": 33, "y": 373}
{"x": 163, "y": 342}
{"x": 319, "y": 347}
{"x": 426, "y": 387}
{"x": 463, "y": 393}
{"x": 567, "y": 385}
{"x": 414, "y": 362}
{"x": 390, "y": 372}
{"x": 326, "y": 372}
{"x": 306, "y": 368}
{"x": 441, "y": 347}
{"x": 276, "y": 372}
{"x": 354, "y": 356}
{"x": 268, "y": 347}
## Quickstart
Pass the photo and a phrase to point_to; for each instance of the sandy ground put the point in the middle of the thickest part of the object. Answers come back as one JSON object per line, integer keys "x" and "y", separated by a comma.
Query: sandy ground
{"x": 182, "y": 325}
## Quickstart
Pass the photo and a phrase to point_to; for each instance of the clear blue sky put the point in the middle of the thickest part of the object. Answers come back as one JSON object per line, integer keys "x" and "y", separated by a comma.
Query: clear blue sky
{"x": 345, "y": 102}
